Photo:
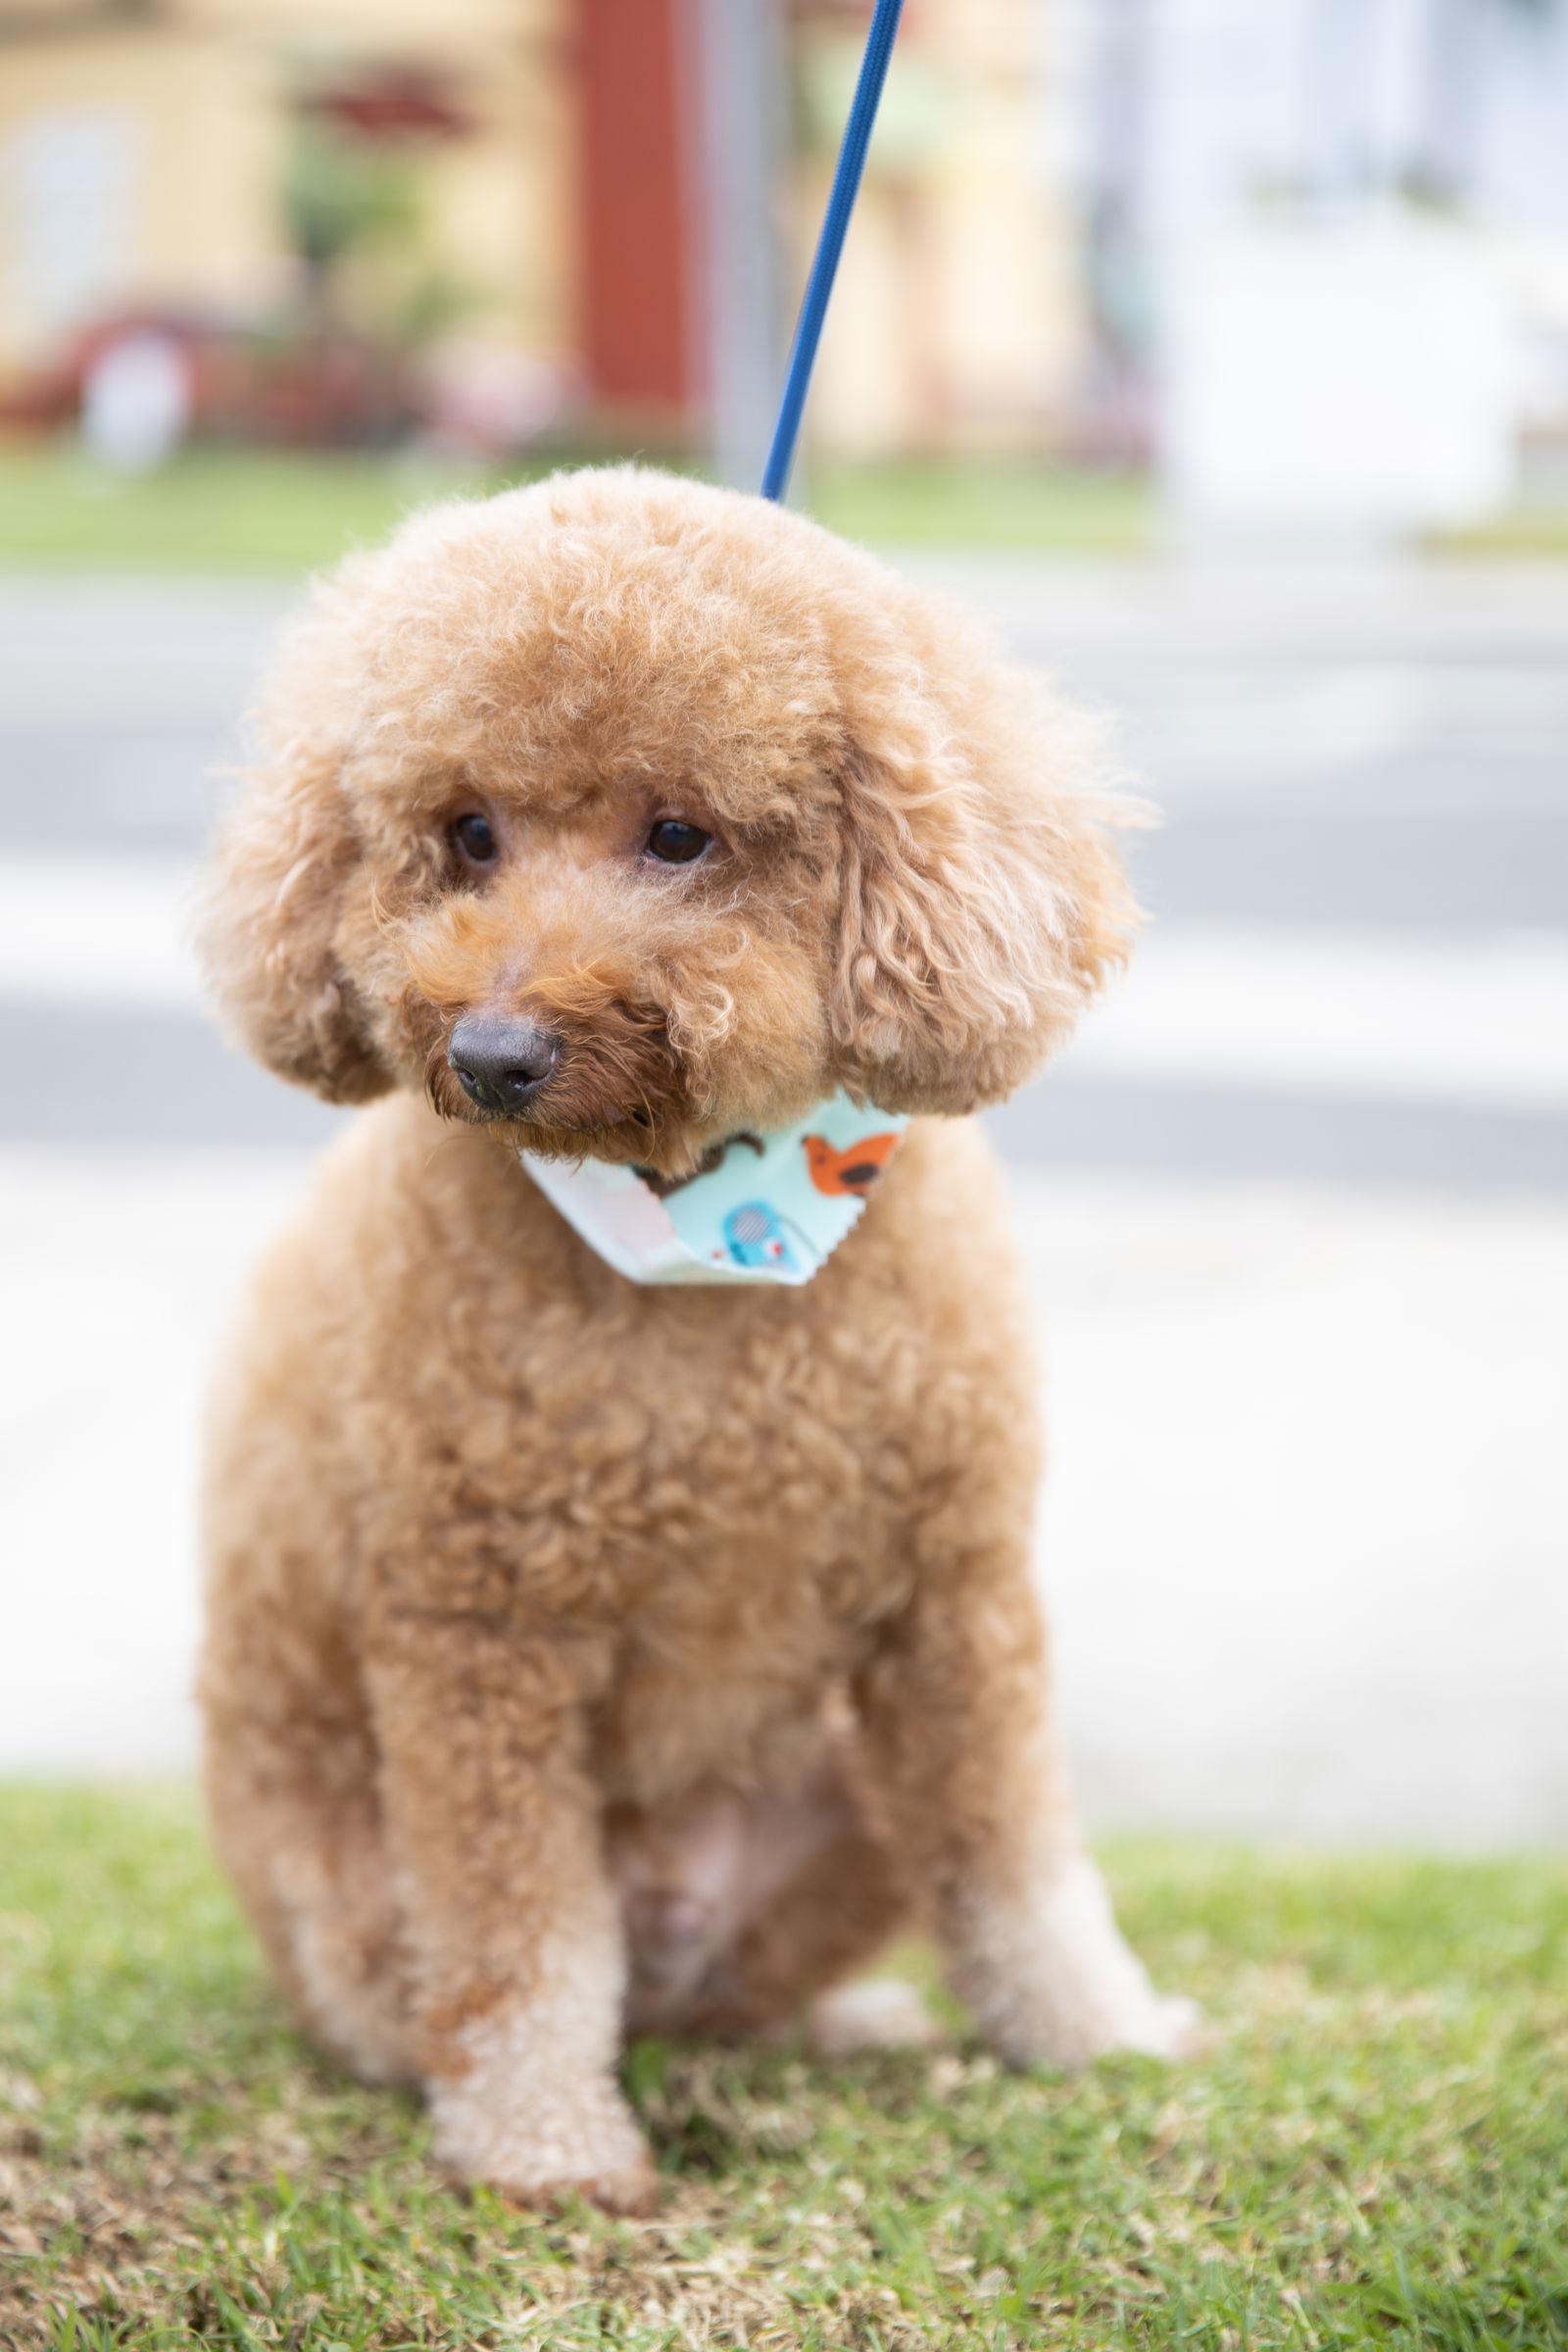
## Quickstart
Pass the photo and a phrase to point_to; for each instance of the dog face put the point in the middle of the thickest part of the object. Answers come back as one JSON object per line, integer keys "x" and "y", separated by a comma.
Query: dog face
{"x": 623, "y": 815}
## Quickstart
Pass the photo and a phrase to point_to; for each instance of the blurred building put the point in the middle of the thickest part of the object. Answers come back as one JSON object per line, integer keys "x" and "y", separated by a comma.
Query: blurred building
{"x": 1328, "y": 250}
{"x": 525, "y": 198}
{"x": 958, "y": 321}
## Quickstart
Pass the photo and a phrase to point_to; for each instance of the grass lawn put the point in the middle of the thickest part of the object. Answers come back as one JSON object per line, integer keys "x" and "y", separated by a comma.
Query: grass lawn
{"x": 1523, "y": 532}
{"x": 1374, "y": 2151}
{"x": 272, "y": 511}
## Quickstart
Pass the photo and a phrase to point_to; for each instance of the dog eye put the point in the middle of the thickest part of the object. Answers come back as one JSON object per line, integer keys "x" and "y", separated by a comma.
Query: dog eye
{"x": 474, "y": 839}
{"x": 676, "y": 843}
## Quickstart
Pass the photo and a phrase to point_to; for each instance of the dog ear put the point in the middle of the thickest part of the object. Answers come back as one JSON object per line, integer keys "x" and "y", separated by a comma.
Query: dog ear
{"x": 275, "y": 904}
{"x": 982, "y": 899}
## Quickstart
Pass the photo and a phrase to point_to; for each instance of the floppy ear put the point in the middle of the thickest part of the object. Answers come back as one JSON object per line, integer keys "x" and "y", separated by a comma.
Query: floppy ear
{"x": 982, "y": 899}
{"x": 275, "y": 900}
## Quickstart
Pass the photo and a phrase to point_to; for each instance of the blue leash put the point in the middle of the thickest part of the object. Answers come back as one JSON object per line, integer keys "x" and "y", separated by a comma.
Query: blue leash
{"x": 830, "y": 244}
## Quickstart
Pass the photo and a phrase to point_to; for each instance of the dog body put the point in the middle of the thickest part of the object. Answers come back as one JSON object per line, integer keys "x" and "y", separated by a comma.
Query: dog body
{"x": 584, "y": 1658}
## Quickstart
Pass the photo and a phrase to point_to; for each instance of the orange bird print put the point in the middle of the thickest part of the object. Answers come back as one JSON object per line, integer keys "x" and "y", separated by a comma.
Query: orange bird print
{"x": 853, "y": 1171}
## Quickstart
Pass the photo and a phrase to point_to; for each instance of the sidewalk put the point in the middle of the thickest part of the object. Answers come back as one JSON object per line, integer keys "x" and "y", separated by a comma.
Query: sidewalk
{"x": 1304, "y": 1529}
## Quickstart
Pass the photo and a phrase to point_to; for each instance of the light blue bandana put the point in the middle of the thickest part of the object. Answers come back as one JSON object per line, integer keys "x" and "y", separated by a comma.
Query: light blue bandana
{"x": 771, "y": 1209}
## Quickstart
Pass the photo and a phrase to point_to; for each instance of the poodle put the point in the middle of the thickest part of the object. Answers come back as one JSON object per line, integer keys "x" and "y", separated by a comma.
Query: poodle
{"x": 586, "y": 1657}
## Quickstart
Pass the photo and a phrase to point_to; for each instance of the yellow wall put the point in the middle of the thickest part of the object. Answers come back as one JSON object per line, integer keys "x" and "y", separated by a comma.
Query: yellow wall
{"x": 957, "y": 323}
{"x": 195, "y": 120}
{"x": 205, "y": 105}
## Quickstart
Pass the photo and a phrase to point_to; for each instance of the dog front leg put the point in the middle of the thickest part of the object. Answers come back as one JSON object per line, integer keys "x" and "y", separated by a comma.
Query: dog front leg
{"x": 956, "y": 1709}
{"x": 516, "y": 1956}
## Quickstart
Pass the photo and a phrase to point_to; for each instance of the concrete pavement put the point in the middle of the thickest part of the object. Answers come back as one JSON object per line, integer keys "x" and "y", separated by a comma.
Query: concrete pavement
{"x": 1304, "y": 1534}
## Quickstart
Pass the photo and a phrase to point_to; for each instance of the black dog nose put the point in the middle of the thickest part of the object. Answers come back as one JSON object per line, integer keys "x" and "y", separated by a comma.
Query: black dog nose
{"x": 500, "y": 1065}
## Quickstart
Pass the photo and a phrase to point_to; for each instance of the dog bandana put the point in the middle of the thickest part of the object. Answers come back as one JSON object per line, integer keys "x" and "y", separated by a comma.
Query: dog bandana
{"x": 769, "y": 1209}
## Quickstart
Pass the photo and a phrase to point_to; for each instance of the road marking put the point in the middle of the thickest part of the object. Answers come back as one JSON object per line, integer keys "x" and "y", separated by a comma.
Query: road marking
{"x": 1474, "y": 1020}
{"x": 110, "y": 932}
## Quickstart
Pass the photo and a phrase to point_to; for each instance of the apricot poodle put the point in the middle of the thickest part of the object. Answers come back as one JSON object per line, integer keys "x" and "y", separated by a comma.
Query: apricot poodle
{"x": 585, "y": 1657}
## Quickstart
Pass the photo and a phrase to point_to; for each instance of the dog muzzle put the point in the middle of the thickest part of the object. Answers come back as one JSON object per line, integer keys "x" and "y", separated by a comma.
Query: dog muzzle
{"x": 771, "y": 1208}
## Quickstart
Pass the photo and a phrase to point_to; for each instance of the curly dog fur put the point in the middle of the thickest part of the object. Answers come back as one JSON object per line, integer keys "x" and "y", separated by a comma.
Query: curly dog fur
{"x": 584, "y": 1658}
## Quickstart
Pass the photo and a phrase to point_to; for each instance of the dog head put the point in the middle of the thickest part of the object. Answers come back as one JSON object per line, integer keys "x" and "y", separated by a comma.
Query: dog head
{"x": 623, "y": 815}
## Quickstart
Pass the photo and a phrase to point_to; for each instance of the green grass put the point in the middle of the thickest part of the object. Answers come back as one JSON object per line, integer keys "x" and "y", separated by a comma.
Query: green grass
{"x": 213, "y": 510}
{"x": 987, "y": 503}
{"x": 1523, "y": 532}
{"x": 257, "y": 510}
{"x": 283, "y": 511}
{"x": 1373, "y": 2152}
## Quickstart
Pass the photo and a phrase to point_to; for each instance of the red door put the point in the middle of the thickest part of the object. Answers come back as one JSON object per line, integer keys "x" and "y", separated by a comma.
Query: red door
{"x": 637, "y": 290}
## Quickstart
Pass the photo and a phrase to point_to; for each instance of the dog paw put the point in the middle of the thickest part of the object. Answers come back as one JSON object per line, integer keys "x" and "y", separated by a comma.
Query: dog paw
{"x": 1170, "y": 2027}
{"x": 1059, "y": 1985}
{"x": 1165, "y": 2027}
{"x": 540, "y": 2151}
{"x": 1154, "y": 2025}
{"x": 633, "y": 2190}
{"x": 880, "y": 2013}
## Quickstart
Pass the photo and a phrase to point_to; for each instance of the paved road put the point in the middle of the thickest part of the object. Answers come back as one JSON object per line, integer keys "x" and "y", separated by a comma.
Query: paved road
{"x": 1293, "y": 1207}
{"x": 1347, "y": 761}
{"x": 1344, "y": 760}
